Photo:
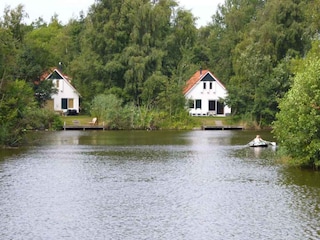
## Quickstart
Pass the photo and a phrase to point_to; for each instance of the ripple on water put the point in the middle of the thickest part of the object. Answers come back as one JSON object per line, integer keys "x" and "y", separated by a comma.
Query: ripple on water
{"x": 187, "y": 191}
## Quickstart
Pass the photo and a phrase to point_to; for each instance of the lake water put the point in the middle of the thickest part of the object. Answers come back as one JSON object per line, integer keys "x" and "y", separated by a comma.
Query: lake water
{"x": 189, "y": 185}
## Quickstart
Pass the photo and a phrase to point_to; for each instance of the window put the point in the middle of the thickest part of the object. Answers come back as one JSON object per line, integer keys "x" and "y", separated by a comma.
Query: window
{"x": 67, "y": 103}
{"x": 70, "y": 103}
{"x": 191, "y": 103}
{"x": 212, "y": 105}
{"x": 204, "y": 85}
{"x": 198, "y": 103}
{"x": 210, "y": 85}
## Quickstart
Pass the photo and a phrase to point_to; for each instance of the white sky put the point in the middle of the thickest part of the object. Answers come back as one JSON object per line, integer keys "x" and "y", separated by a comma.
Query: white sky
{"x": 67, "y": 9}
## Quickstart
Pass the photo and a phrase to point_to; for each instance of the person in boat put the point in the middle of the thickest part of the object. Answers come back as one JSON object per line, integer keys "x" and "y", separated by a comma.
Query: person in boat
{"x": 258, "y": 139}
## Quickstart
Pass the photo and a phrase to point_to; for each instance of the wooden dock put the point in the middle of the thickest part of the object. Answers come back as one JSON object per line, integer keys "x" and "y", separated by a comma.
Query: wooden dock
{"x": 77, "y": 126}
{"x": 83, "y": 128}
{"x": 222, "y": 127}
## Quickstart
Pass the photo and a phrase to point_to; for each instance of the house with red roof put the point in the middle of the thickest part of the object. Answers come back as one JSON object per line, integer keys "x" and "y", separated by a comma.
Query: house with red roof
{"x": 205, "y": 94}
{"x": 67, "y": 98}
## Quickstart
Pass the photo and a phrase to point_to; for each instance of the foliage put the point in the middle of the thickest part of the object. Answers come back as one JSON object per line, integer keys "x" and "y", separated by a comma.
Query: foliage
{"x": 180, "y": 120}
{"x": 138, "y": 54}
{"x": 7, "y": 54}
{"x": 297, "y": 124}
{"x": 16, "y": 100}
{"x": 12, "y": 20}
{"x": 132, "y": 46}
{"x": 116, "y": 115}
{"x": 262, "y": 56}
{"x": 41, "y": 119}
{"x": 109, "y": 109}
{"x": 43, "y": 90}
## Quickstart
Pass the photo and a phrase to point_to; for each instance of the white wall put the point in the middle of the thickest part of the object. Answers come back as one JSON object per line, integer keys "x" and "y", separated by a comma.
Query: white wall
{"x": 198, "y": 92}
{"x": 65, "y": 90}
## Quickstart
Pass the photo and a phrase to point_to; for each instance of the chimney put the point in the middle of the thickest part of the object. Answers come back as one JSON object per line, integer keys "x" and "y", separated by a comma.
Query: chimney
{"x": 60, "y": 66}
{"x": 200, "y": 71}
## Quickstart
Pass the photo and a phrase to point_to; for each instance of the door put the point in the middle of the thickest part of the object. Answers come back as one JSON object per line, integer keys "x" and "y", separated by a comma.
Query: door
{"x": 220, "y": 106}
{"x": 64, "y": 103}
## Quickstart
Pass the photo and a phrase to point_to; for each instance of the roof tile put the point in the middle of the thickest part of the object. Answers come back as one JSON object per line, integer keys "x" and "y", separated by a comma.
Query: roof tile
{"x": 194, "y": 79}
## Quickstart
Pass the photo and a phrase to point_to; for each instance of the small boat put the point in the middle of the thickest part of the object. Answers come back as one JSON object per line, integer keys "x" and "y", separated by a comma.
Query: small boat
{"x": 258, "y": 144}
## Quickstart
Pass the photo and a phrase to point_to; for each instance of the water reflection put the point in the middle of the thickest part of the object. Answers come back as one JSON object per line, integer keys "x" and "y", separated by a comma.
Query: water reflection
{"x": 154, "y": 185}
{"x": 305, "y": 185}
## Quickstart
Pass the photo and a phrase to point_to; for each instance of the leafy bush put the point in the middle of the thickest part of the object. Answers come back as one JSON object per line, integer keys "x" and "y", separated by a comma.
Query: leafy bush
{"x": 109, "y": 108}
{"x": 16, "y": 100}
{"x": 41, "y": 119}
{"x": 297, "y": 124}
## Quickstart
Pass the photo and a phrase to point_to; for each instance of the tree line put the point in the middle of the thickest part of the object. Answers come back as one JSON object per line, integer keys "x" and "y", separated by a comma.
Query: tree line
{"x": 140, "y": 53}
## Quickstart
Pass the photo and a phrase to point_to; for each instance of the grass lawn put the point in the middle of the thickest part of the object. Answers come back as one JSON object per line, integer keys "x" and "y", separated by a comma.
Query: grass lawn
{"x": 212, "y": 121}
{"x": 83, "y": 119}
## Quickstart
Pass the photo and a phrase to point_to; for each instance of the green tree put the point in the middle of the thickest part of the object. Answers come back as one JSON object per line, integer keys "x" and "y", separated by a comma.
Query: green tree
{"x": 110, "y": 109}
{"x": 32, "y": 61}
{"x": 44, "y": 46}
{"x": 43, "y": 91}
{"x": 219, "y": 38}
{"x": 271, "y": 39}
{"x": 12, "y": 32}
{"x": 297, "y": 124}
{"x": 13, "y": 21}
{"x": 123, "y": 45}
{"x": 16, "y": 101}
{"x": 7, "y": 56}
{"x": 182, "y": 37}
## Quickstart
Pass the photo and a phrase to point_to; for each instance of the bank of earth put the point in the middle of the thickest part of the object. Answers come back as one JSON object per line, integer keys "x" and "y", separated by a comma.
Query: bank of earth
{"x": 199, "y": 121}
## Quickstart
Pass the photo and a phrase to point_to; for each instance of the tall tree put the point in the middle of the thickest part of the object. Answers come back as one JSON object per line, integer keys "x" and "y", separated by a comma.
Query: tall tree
{"x": 220, "y": 37}
{"x": 144, "y": 53}
{"x": 272, "y": 39}
{"x": 12, "y": 32}
{"x": 297, "y": 124}
{"x": 123, "y": 45}
{"x": 8, "y": 53}
{"x": 13, "y": 20}
{"x": 16, "y": 101}
{"x": 183, "y": 36}
{"x": 101, "y": 42}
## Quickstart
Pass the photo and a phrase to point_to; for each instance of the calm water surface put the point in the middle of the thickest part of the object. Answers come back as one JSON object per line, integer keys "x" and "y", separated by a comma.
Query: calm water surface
{"x": 154, "y": 185}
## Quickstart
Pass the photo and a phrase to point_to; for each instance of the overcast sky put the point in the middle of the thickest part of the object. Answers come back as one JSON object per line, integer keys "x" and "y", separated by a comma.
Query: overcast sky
{"x": 67, "y": 9}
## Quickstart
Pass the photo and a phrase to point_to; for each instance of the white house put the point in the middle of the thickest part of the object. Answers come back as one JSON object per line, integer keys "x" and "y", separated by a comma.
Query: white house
{"x": 67, "y": 97}
{"x": 205, "y": 94}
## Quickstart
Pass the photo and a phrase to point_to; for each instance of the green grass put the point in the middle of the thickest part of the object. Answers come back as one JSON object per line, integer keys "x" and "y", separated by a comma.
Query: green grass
{"x": 200, "y": 120}
{"x": 211, "y": 121}
{"x": 83, "y": 119}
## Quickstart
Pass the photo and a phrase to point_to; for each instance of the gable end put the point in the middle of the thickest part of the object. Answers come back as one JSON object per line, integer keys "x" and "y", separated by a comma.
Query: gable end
{"x": 208, "y": 77}
{"x": 54, "y": 75}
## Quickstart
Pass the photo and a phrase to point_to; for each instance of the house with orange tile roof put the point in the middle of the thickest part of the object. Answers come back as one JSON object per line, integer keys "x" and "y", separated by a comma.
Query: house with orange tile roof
{"x": 67, "y": 98}
{"x": 205, "y": 94}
